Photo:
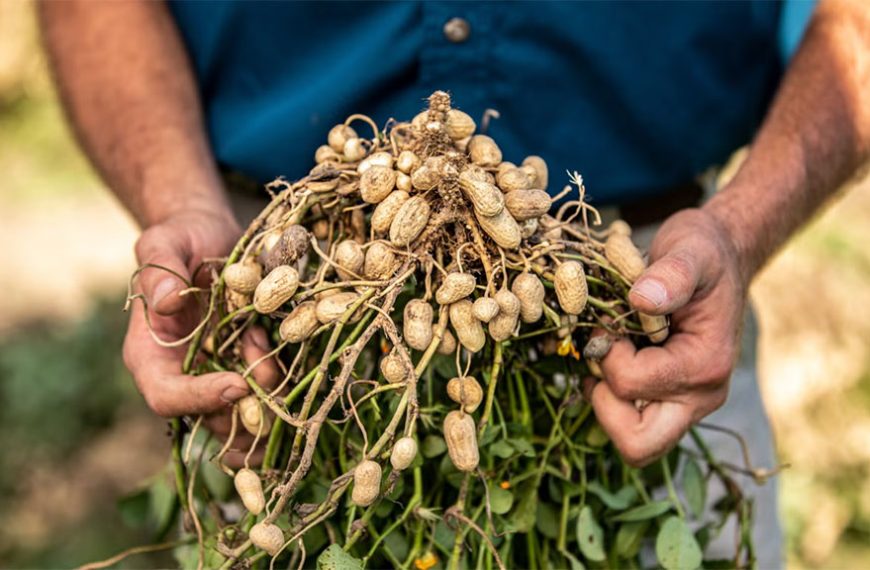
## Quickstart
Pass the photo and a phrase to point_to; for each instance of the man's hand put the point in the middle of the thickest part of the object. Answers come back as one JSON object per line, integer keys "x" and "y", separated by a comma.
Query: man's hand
{"x": 695, "y": 277}
{"x": 180, "y": 243}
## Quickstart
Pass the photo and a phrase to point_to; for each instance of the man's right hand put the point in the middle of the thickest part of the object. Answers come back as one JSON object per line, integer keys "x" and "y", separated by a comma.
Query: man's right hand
{"x": 180, "y": 243}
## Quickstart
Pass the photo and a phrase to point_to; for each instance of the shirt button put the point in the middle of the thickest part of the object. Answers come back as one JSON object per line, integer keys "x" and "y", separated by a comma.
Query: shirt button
{"x": 457, "y": 30}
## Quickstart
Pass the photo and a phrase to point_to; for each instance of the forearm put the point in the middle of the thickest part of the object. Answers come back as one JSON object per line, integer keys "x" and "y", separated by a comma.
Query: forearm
{"x": 815, "y": 136}
{"x": 129, "y": 91}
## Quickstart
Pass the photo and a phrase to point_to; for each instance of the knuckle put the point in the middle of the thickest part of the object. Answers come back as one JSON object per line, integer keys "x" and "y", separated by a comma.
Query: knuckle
{"x": 681, "y": 268}
{"x": 718, "y": 370}
{"x": 621, "y": 385}
{"x": 145, "y": 243}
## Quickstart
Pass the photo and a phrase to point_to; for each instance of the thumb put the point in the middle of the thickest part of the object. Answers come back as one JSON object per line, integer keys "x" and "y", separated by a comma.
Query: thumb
{"x": 170, "y": 249}
{"x": 667, "y": 284}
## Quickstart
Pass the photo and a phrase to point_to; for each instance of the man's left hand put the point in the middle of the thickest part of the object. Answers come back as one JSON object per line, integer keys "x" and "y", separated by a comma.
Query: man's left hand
{"x": 695, "y": 277}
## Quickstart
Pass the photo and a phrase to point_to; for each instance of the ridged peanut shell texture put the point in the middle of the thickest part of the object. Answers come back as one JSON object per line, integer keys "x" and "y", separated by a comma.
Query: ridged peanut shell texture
{"x": 276, "y": 289}
{"x": 624, "y": 256}
{"x": 530, "y": 291}
{"x": 250, "y": 490}
{"x": 300, "y": 323}
{"x": 483, "y": 151}
{"x": 512, "y": 178}
{"x": 394, "y": 368}
{"x": 455, "y": 286}
{"x": 366, "y": 483}
{"x": 350, "y": 259}
{"x": 484, "y": 309}
{"x": 466, "y": 391}
{"x": 502, "y": 326}
{"x": 376, "y": 183}
{"x": 329, "y": 309}
{"x": 267, "y": 536}
{"x": 384, "y": 212}
{"x": 244, "y": 276}
{"x": 403, "y": 453}
{"x": 570, "y": 285}
{"x": 469, "y": 330}
{"x": 380, "y": 261}
{"x": 527, "y": 204}
{"x": 459, "y": 125}
{"x": 409, "y": 221}
{"x": 539, "y": 167}
{"x": 417, "y": 324}
{"x": 460, "y": 433}
{"x": 503, "y": 229}
{"x": 486, "y": 198}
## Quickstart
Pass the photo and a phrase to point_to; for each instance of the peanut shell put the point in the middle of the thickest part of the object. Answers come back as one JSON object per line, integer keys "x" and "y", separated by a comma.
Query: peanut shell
{"x": 465, "y": 391}
{"x": 417, "y": 324}
{"x": 570, "y": 285}
{"x": 455, "y": 286}
{"x": 461, "y": 437}
{"x": 409, "y": 221}
{"x": 276, "y": 289}
{"x": 469, "y": 331}
{"x": 366, "y": 483}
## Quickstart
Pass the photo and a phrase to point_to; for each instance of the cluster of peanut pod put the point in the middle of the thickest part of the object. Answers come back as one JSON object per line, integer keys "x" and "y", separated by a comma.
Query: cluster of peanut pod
{"x": 417, "y": 244}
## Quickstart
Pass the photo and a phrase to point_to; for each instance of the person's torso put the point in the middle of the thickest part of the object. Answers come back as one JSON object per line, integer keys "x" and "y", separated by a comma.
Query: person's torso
{"x": 637, "y": 97}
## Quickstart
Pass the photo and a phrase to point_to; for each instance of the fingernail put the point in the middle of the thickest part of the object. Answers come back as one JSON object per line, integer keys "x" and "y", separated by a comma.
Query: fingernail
{"x": 234, "y": 393}
{"x": 162, "y": 290}
{"x": 651, "y": 290}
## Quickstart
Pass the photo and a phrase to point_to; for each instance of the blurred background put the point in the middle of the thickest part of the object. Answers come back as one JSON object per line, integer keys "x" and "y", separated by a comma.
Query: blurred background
{"x": 80, "y": 452}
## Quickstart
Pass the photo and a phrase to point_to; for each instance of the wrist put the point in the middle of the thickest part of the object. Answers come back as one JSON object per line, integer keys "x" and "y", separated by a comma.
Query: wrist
{"x": 725, "y": 213}
{"x": 163, "y": 197}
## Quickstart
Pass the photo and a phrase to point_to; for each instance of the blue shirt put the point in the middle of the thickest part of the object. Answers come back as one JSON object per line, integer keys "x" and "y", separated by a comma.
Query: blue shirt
{"x": 638, "y": 97}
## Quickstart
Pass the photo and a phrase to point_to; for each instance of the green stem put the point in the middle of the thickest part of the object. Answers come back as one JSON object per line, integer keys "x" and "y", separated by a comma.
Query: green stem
{"x": 490, "y": 389}
{"x": 672, "y": 491}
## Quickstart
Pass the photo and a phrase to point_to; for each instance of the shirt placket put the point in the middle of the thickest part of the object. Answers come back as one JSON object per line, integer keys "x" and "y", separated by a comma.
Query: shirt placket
{"x": 457, "y": 42}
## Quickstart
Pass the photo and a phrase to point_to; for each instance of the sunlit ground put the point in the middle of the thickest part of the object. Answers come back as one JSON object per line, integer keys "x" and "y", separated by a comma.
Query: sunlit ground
{"x": 76, "y": 437}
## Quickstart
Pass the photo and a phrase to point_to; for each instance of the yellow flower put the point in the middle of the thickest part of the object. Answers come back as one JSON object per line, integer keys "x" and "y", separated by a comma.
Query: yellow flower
{"x": 505, "y": 485}
{"x": 567, "y": 347}
{"x": 427, "y": 561}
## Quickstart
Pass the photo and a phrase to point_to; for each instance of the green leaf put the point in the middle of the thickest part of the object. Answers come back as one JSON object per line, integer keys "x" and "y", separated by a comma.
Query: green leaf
{"x": 398, "y": 544}
{"x": 500, "y": 500}
{"x": 618, "y": 501}
{"x": 433, "y": 446}
{"x": 694, "y": 487}
{"x": 575, "y": 563}
{"x": 523, "y": 446}
{"x": 643, "y": 512}
{"x": 547, "y": 520}
{"x": 523, "y": 517}
{"x": 335, "y": 558}
{"x": 629, "y": 538}
{"x": 590, "y": 536}
{"x": 502, "y": 449}
{"x": 676, "y": 547}
{"x": 488, "y": 435}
